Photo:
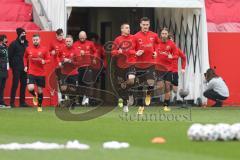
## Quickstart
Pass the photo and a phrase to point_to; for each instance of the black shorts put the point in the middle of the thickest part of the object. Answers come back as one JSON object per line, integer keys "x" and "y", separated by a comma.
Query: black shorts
{"x": 124, "y": 72}
{"x": 38, "y": 80}
{"x": 164, "y": 76}
{"x": 85, "y": 76}
{"x": 120, "y": 76}
{"x": 145, "y": 74}
{"x": 69, "y": 79}
{"x": 175, "y": 79}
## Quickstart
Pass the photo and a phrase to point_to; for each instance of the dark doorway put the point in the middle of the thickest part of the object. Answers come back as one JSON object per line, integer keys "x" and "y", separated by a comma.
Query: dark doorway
{"x": 78, "y": 21}
{"x": 106, "y": 32}
{"x": 106, "y": 21}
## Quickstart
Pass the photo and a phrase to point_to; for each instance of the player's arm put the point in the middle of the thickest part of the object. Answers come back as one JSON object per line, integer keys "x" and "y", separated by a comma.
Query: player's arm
{"x": 132, "y": 50}
{"x": 52, "y": 49}
{"x": 60, "y": 58}
{"x": 183, "y": 59}
{"x": 157, "y": 40}
{"x": 46, "y": 58}
{"x": 139, "y": 51}
{"x": 94, "y": 53}
{"x": 115, "y": 47}
{"x": 174, "y": 51}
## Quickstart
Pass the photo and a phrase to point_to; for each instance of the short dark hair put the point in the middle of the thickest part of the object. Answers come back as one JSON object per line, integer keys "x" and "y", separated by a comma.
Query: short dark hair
{"x": 36, "y": 35}
{"x": 144, "y": 19}
{"x": 59, "y": 31}
{"x": 2, "y": 37}
{"x": 125, "y": 23}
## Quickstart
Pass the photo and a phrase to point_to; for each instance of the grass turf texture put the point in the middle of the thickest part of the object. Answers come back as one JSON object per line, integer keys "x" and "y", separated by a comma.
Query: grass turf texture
{"x": 27, "y": 125}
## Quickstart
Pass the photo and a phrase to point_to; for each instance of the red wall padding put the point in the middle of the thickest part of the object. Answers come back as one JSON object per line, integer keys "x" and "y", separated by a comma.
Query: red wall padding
{"x": 49, "y": 100}
{"x": 224, "y": 54}
{"x": 15, "y": 12}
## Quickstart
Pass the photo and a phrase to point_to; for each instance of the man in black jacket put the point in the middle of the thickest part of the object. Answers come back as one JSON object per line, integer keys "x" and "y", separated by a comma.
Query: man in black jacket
{"x": 3, "y": 67}
{"x": 16, "y": 52}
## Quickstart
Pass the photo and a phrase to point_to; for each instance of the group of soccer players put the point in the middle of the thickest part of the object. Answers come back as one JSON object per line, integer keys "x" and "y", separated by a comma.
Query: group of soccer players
{"x": 143, "y": 62}
{"x": 149, "y": 61}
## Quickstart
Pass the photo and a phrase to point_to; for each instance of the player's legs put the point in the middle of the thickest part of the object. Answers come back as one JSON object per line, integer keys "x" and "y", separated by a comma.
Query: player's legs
{"x": 175, "y": 85}
{"x": 40, "y": 98}
{"x": 145, "y": 76}
{"x": 40, "y": 82}
{"x": 168, "y": 79}
{"x": 128, "y": 98}
{"x": 81, "y": 73}
{"x": 161, "y": 86}
{"x": 131, "y": 82}
{"x": 164, "y": 83}
{"x": 167, "y": 93}
{"x": 72, "y": 80}
{"x": 30, "y": 87}
{"x": 122, "y": 87}
{"x": 150, "y": 76}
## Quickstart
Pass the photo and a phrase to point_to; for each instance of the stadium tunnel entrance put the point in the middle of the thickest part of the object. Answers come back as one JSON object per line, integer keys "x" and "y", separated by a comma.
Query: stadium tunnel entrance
{"x": 186, "y": 23}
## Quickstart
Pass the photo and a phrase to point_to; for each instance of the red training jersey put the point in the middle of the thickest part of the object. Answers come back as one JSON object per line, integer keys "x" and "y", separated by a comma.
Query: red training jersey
{"x": 89, "y": 52}
{"x": 127, "y": 45}
{"x": 146, "y": 42}
{"x": 100, "y": 56}
{"x": 163, "y": 50}
{"x": 68, "y": 68}
{"x": 33, "y": 57}
{"x": 56, "y": 46}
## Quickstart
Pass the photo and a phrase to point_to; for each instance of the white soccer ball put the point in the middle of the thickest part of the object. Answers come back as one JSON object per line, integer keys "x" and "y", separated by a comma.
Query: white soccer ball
{"x": 235, "y": 129}
{"x": 195, "y": 132}
{"x": 224, "y": 131}
{"x": 209, "y": 133}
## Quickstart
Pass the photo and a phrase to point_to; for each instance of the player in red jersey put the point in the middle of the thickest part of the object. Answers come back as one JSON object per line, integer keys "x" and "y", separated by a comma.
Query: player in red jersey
{"x": 166, "y": 51}
{"x": 35, "y": 59}
{"x": 174, "y": 70}
{"x": 124, "y": 54}
{"x": 100, "y": 53}
{"x": 146, "y": 41}
{"x": 56, "y": 45}
{"x": 86, "y": 53}
{"x": 69, "y": 71}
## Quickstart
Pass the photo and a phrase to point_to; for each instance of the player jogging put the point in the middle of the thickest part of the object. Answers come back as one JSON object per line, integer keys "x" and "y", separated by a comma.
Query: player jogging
{"x": 35, "y": 58}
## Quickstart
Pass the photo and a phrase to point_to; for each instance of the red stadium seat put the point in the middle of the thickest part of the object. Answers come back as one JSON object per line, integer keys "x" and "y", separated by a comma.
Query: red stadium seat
{"x": 223, "y": 15}
{"x": 7, "y": 1}
{"x": 11, "y": 26}
{"x": 16, "y": 12}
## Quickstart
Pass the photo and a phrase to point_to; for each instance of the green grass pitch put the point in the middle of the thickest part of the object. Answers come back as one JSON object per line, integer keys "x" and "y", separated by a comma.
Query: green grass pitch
{"x": 27, "y": 125}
